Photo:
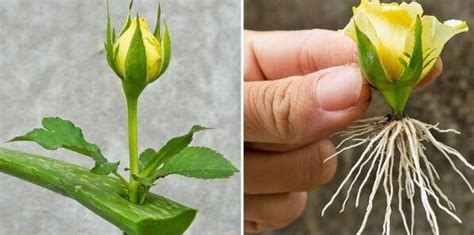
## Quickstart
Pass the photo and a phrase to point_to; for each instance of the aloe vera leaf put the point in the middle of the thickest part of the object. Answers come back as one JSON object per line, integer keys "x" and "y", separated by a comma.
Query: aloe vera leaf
{"x": 101, "y": 194}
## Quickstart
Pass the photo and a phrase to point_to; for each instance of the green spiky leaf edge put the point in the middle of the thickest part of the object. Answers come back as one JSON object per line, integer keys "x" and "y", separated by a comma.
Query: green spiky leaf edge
{"x": 196, "y": 162}
{"x": 151, "y": 160}
{"x": 59, "y": 133}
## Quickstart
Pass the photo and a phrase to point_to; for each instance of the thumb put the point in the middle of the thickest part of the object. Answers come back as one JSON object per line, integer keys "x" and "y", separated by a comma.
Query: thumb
{"x": 299, "y": 110}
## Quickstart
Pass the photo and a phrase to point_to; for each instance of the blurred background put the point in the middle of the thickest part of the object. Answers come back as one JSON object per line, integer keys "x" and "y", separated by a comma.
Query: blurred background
{"x": 52, "y": 63}
{"x": 450, "y": 101}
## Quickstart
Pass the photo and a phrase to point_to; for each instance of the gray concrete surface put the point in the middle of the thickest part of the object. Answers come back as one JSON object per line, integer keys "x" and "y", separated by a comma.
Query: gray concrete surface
{"x": 450, "y": 101}
{"x": 52, "y": 64}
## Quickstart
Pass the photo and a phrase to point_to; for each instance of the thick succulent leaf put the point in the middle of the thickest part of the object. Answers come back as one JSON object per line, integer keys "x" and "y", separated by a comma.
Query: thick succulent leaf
{"x": 369, "y": 61}
{"x": 58, "y": 133}
{"x": 197, "y": 162}
{"x": 136, "y": 62}
{"x": 157, "y": 31}
{"x": 166, "y": 50}
{"x": 150, "y": 160}
{"x": 104, "y": 195}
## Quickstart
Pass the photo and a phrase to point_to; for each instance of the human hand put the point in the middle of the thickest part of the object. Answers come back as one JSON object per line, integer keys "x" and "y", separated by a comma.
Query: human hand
{"x": 300, "y": 88}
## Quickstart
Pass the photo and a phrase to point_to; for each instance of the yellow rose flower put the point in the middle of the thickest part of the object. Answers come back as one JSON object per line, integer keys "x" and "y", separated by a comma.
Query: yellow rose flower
{"x": 152, "y": 49}
{"x": 390, "y": 27}
{"x": 137, "y": 55}
{"x": 398, "y": 46}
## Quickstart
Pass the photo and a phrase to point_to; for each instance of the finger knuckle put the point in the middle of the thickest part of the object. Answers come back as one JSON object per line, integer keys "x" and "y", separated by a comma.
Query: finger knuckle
{"x": 307, "y": 60}
{"x": 296, "y": 206}
{"x": 328, "y": 168}
{"x": 317, "y": 172}
{"x": 278, "y": 102}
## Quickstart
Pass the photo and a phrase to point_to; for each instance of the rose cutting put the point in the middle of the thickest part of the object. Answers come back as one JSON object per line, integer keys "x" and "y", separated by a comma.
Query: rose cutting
{"x": 138, "y": 57}
{"x": 397, "y": 47}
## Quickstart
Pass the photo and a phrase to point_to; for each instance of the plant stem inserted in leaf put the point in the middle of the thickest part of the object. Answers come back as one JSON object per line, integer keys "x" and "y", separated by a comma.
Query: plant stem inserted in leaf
{"x": 132, "y": 110}
{"x": 139, "y": 58}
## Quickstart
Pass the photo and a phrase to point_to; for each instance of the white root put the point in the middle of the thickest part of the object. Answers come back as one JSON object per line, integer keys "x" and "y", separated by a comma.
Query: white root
{"x": 398, "y": 143}
{"x": 355, "y": 166}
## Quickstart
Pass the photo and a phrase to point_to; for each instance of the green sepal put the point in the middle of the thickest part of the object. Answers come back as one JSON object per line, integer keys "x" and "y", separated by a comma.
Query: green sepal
{"x": 196, "y": 162}
{"x": 128, "y": 20}
{"x": 58, "y": 133}
{"x": 135, "y": 61}
{"x": 109, "y": 42}
{"x": 165, "y": 41}
{"x": 152, "y": 160}
{"x": 370, "y": 63}
{"x": 103, "y": 195}
{"x": 157, "y": 31}
{"x": 166, "y": 50}
{"x": 397, "y": 92}
{"x": 413, "y": 72}
{"x": 398, "y": 95}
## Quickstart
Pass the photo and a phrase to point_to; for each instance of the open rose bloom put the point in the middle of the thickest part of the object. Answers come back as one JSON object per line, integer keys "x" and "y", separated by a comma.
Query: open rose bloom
{"x": 391, "y": 29}
{"x": 397, "y": 48}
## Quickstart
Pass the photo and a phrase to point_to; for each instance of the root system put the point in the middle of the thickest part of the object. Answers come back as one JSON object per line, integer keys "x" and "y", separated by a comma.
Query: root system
{"x": 395, "y": 150}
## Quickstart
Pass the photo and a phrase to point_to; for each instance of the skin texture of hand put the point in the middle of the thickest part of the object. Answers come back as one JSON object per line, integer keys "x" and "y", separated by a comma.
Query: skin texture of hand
{"x": 300, "y": 88}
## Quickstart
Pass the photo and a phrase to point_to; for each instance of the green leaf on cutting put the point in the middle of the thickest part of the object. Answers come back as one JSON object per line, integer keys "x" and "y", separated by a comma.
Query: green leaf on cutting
{"x": 146, "y": 158}
{"x": 58, "y": 133}
{"x": 196, "y": 162}
{"x": 150, "y": 159}
{"x": 105, "y": 168}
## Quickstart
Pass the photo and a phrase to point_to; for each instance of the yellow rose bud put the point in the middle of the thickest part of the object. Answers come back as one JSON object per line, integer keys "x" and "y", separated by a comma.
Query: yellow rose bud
{"x": 137, "y": 55}
{"x": 390, "y": 27}
{"x": 152, "y": 49}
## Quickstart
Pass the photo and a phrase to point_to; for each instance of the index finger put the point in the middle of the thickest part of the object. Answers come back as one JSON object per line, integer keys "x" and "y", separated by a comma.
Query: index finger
{"x": 280, "y": 54}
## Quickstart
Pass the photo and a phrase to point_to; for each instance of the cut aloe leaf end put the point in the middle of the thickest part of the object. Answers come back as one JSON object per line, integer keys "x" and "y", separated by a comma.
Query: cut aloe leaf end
{"x": 101, "y": 194}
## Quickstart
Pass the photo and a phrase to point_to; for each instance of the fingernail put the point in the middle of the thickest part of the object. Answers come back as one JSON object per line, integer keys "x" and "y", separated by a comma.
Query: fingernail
{"x": 340, "y": 88}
